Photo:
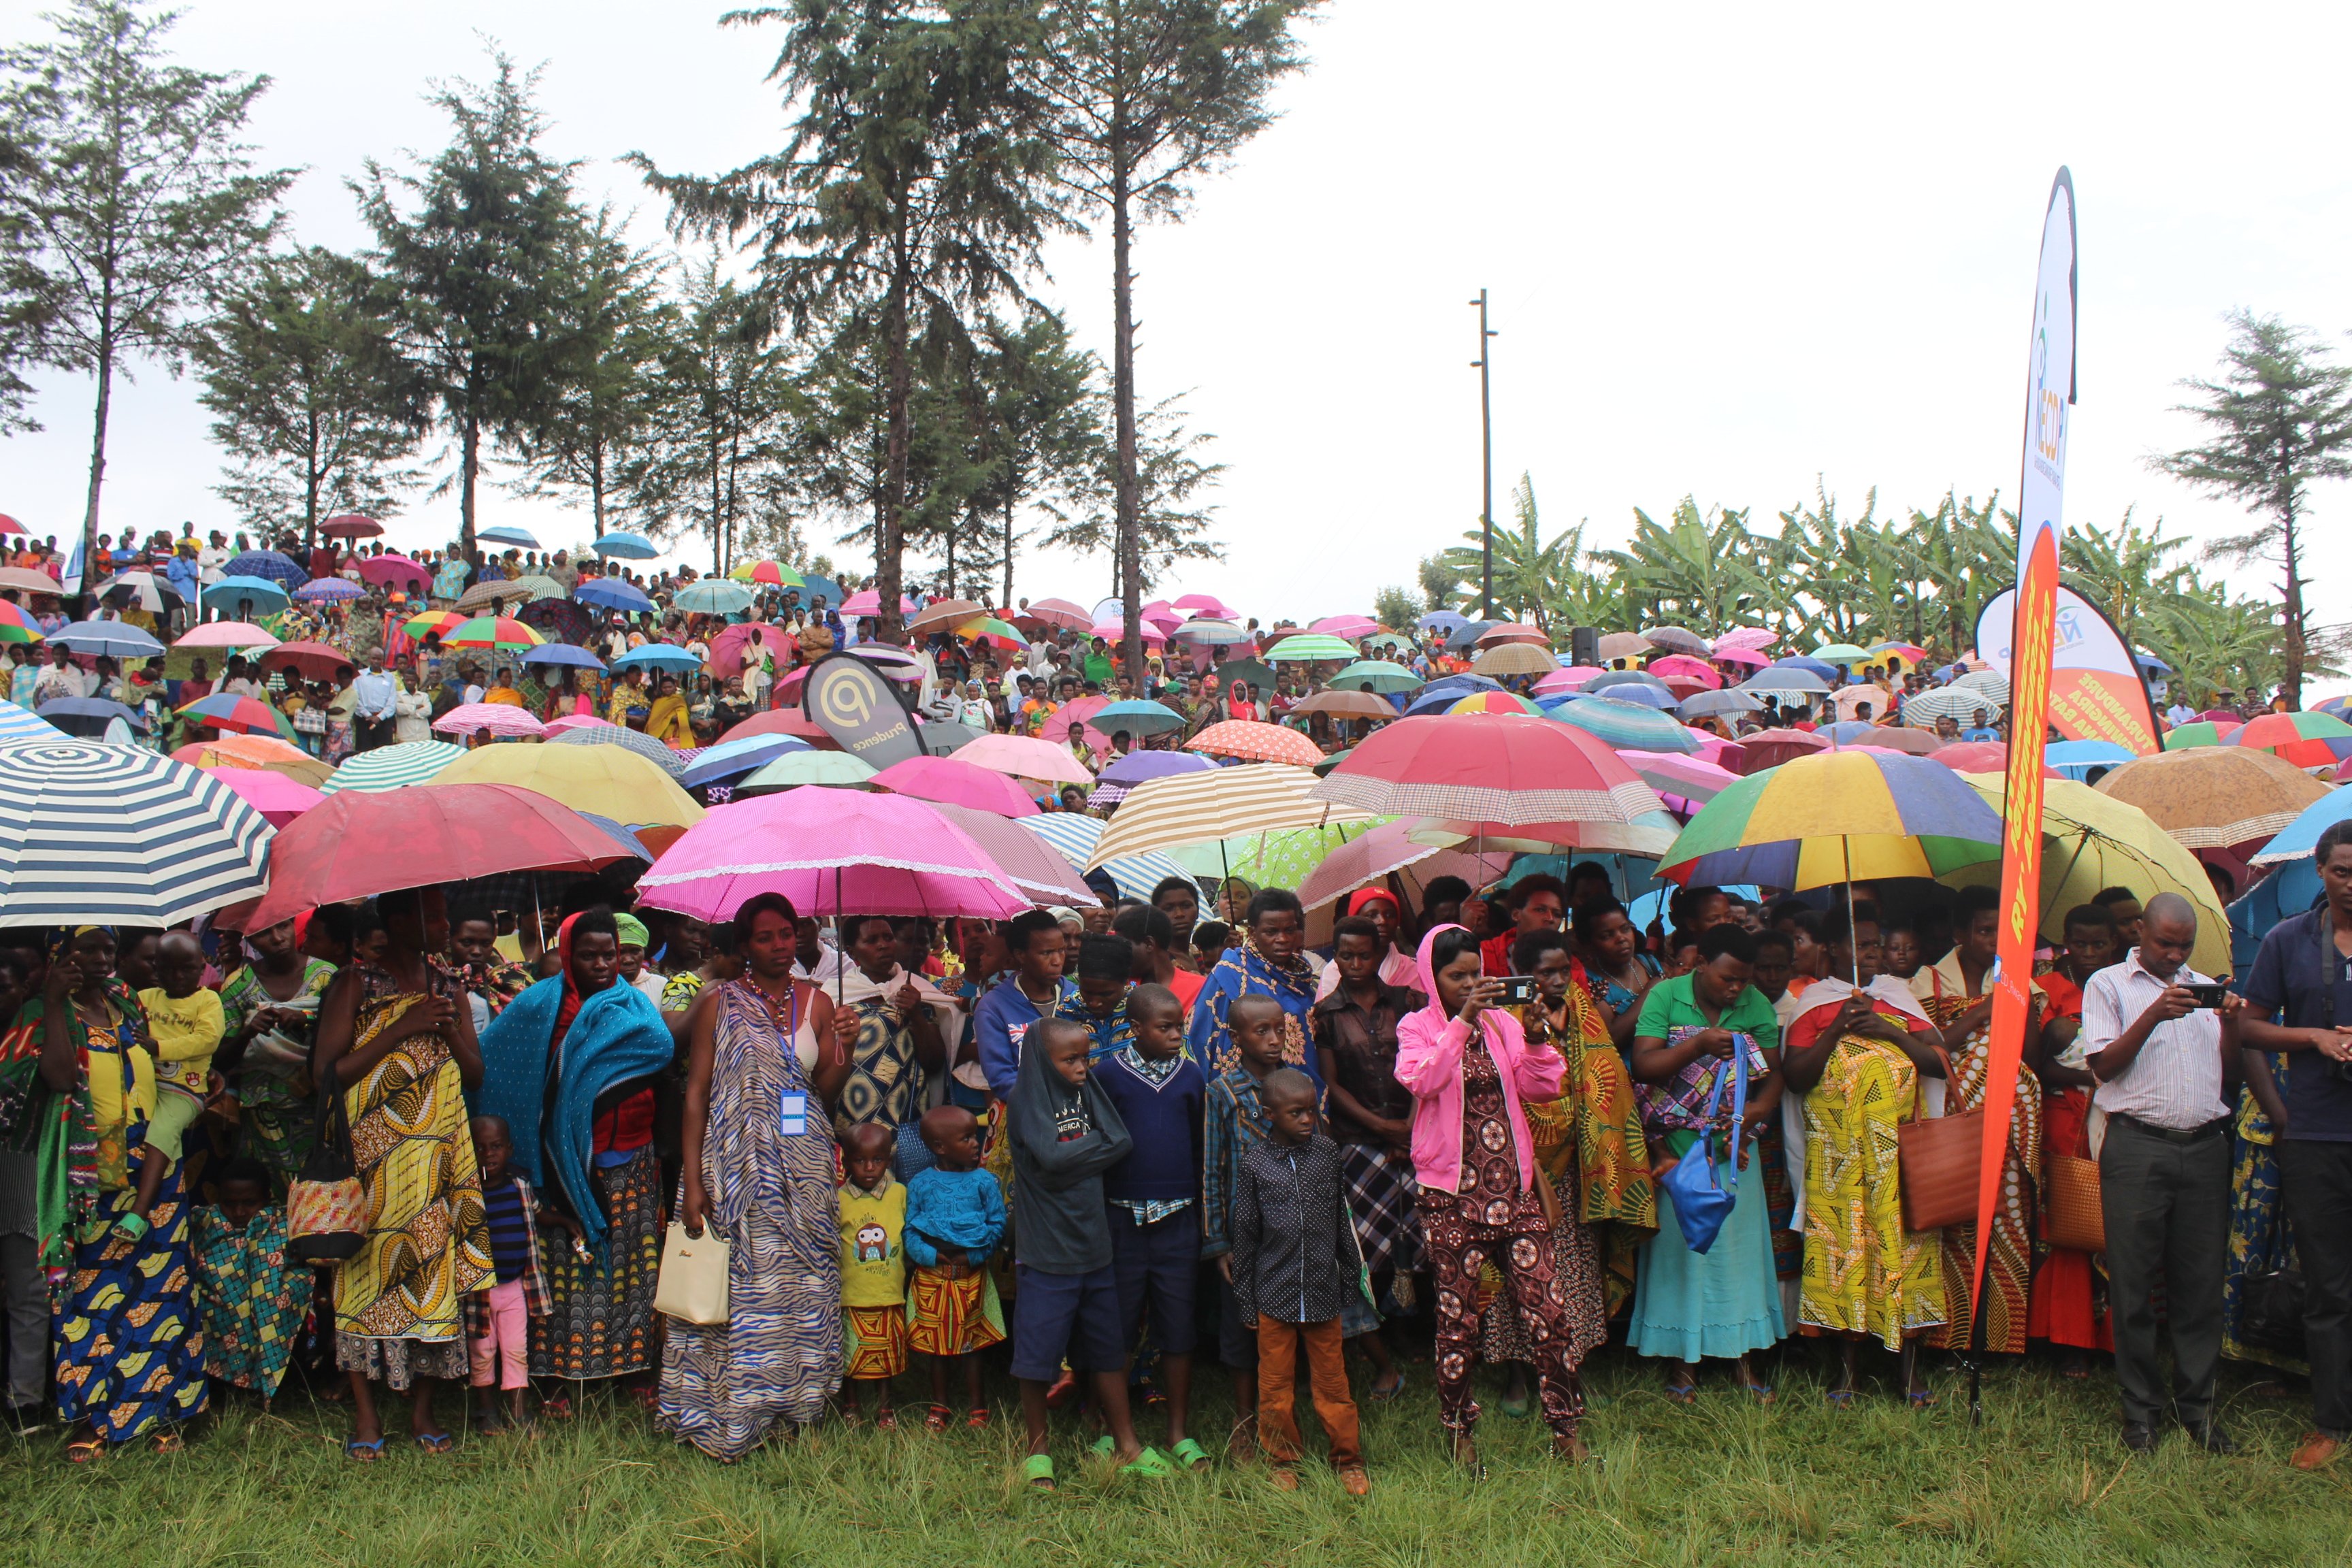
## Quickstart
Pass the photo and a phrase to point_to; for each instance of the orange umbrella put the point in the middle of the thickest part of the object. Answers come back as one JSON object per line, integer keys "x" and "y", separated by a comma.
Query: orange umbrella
{"x": 1252, "y": 742}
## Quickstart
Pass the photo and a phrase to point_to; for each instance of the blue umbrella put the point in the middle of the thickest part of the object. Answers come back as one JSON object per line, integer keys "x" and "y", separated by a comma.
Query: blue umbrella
{"x": 2335, "y": 707}
{"x": 1795, "y": 661}
{"x": 328, "y": 591}
{"x": 2298, "y": 838}
{"x": 627, "y": 546}
{"x": 266, "y": 564}
{"x": 612, "y": 593}
{"x": 118, "y": 639}
{"x": 87, "y": 716}
{"x": 1656, "y": 697}
{"x": 825, "y": 586}
{"x": 519, "y": 538}
{"x": 226, "y": 594}
{"x": 713, "y": 596}
{"x": 733, "y": 758}
{"x": 1461, "y": 685}
{"x": 2084, "y": 761}
{"x": 1446, "y": 621}
{"x": 1467, "y": 634}
{"x": 1625, "y": 726}
{"x": 2152, "y": 665}
{"x": 1710, "y": 704}
{"x": 619, "y": 834}
{"x": 1138, "y": 717}
{"x": 1434, "y": 699}
{"x": 563, "y": 653}
{"x": 658, "y": 656}
{"x": 1609, "y": 681}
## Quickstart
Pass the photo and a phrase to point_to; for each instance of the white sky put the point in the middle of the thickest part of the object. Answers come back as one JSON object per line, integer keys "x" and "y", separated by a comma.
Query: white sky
{"x": 1729, "y": 248}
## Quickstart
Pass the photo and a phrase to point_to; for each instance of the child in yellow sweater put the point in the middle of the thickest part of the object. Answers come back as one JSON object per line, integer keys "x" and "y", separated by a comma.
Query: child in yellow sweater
{"x": 185, "y": 1022}
{"x": 873, "y": 1269}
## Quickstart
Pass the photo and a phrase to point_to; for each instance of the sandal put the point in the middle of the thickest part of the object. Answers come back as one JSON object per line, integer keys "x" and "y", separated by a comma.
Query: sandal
{"x": 1285, "y": 1478}
{"x": 170, "y": 1442}
{"x": 977, "y": 1421}
{"x": 1514, "y": 1405}
{"x": 1762, "y": 1393}
{"x": 936, "y": 1419}
{"x": 1152, "y": 1463}
{"x": 365, "y": 1453}
{"x": 82, "y": 1450}
{"x": 886, "y": 1421}
{"x": 1037, "y": 1469}
{"x": 1682, "y": 1394}
{"x": 1393, "y": 1389}
{"x": 435, "y": 1442}
{"x": 1190, "y": 1454}
{"x": 1839, "y": 1398}
{"x": 1921, "y": 1399}
{"x": 556, "y": 1407}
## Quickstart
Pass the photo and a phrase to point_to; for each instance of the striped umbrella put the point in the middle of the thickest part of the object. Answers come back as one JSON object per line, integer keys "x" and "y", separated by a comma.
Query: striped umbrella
{"x": 1515, "y": 658}
{"x": 1254, "y": 743}
{"x": 1991, "y": 682}
{"x": 1491, "y": 702}
{"x": 1836, "y": 816}
{"x": 713, "y": 596}
{"x": 498, "y": 718}
{"x": 669, "y": 759}
{"x": 1074, "y": 836}
{"x": 1185, "y": 808}
{"x": 1625, "y": 725}
{"x": 731, "y": 759}
{"x": 1279, "y": 860}
{"x": 433, "y": 623}
{"x": 223, "y": 710}
{"x": 509, "y": 592}
{"x": 1311, "y": 647}
{"x": 2307, "y": 739}
{"x": 102, "y": 834}
{"x": 491, "y": 632}
{"x": 2203, "y": 732}
{"x": 15, "y": 725}
{"x": 1379, "y": 674}
{"x": 987, "y": 629}
{"x": 1959, "y": 704}
{"x": 391, "y": 767}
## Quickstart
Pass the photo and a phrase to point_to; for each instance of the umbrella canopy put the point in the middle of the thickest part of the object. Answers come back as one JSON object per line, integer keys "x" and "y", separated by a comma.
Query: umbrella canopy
{"x": 1255, "y": 742}
{"x": 1515, "y": 658}
{"x": 1185, "y": 808}
{"x": 1381, "y": 675}
{"x": 1137, "y": 766}
{"x": 395, "y": 571}
{"x": 1785, "y": 680}
{"x": 1623, "y": 645}
{"x": 1137, "y": 717}
{"x": 15, "y": 725}
{"x": 227, "y": 634}
{"x": 1485, "y": 702}
{"x": 609, "y": 781}
{"x": 1991, "y": 682}
{"x": 562, "y": 653}
{"x": 1746, "y": 638}
{"x": 626, "y": 546}
{"x": 1039, "y": 869}
{"x": 994, "y": 633}
{"x": 351, "y": 525}
{"x": 796, "y": 770}
{"x": 118, "y": 638}
{"x": 1647, "y": 836}
{"x": 1347, "y": 628}
{"x": 1280, "y": 859}
{"x": 1506, "y": 631}
{"x": 498, "y": 718}
{"x": 1074, "y": 835}
{"x": 16, "y": 626}
{"x": 519, "y": 538}
{"x": 328, "y": 591}
{"x": 230, "y": 594}
{"x": 1206, "y": 605}
{"x": 393, "y": 767}
{"x": 1982, "y": 757}
{"x": 358, "y": 844}
{"x": 1485, "y": 767}
{"x": 267, "y": 752}
{"x": 1343, "y": 704}
{"x": 1836, "y": 816}
{"x": 2094, "y": 842}
{"x": 2298, "y": 838}
{"x": 612, "y": 593}
{"x": 783, "y": 721}
{"x": 1798, "y": 661}
{"x": 1311, "y": 647}
{"x": 224, "y": 711}
{"x": 1841, "y": 653}
{"x": 310, "y": 660}
{"x": 2214, "y": 796}
{"x": 2080, "y": 760}
{"x": 670, "y": 759}
{"x": 506, "y": 595}
{"x": 87, "y": 717}
{"x": 278, "y": 798}
{"x": 1961, "y": 705}
{"x": 659, "y": 655}
{"x": 1259, "y": 675}
{"x": 1607, "y": 681}
{"x": 772, "y": 574}
{"x": 940, "y": 614}
{"x": 845, "y": 851}
{"x": 2307, "y": 739}
{"x": 433, "y": 623}
{"x": 1684, "y": 667}
{"x": 26, "y": 581}
{"x": 1712, "y": 704}
{"x": 1663, "y": 698}
{"x": 733, "y": 758}
{"x": 1691, "y": 778}
{"x": 712, "y": 596}
{"x": 1369, "y": 859}
{"x": 2203, "y": 732}
{"x": 1855, "y": 732}
{"x": 727, "y": 648}
{"x": 491, "y": 632}
{"x": 1626, "y": 724}
{"x": 1025, "y": 757}
{"x": 1059, "y": 613}
{"x": 1112, "y": 631}
{"x": 1677, "y": 639}
{"x": 1464, "y": 637}
{"x": 869, "y": 603}
{"x": 99, "y": 835}
{"x": 267, "y": 566}
{"x": 1770, "y": 747}
{"x": 1745, "y": 657}
{"x": 954, "y": 781}
{"x": 142, "y": 588}
{"x": 1209, "y": 632}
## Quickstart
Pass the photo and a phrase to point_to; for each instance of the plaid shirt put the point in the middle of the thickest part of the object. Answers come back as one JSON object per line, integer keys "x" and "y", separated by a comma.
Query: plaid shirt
{"x": 1237, "y": 1124}
{"x": 474, "y": 1306}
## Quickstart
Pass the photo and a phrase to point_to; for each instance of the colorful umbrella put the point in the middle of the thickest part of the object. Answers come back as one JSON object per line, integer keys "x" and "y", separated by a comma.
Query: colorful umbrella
{"x": 508, "y": 595}
{"x": 607, "y": 780}
{"x": 16, "y": 626}
{"x": 264, "y": 751}
{"x": 1025, "y": 757}
{"x": 732, "y": 759}
{"x": 1254, "y": 743}
{"x": 626, "y": 546}
{"x": 2307, "y": 739}
{"x": 1625, "y": 724}
{"x": 491, "y": 632}
{"x": 433, "y": 623}
{"x": 1836, "y": 816}
{"x": 1485, "y": 702}
{"x": 1379, "y": 675}
{"x": 223, "y": 710}
{"x": 956, "y": 782}
{"x": 1281, "y": 858}
{"x": 2203, "y": 732}
{"x": 713, "y": 596}
{"x": 328, "y": 591}
{"x": 772, "y": 574}
{"x": 839, "y": 852}
{"x": 395, "y": 571}
{"x": 1310, "y": 648}
{"x": 1486, "y": 767}
{"x": 99, "y": 835}
{"x": 393, "y": 767}
{"x": 498, "y": 718}
{"x": 2212, "y": 797}
{"x": 994, "y": 633}
{"x": 1074, "y": 836}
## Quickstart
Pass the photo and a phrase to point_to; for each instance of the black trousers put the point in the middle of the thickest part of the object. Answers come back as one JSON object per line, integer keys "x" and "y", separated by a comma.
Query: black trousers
{"x": 367, "y": 734}
{"x": 2315, "y": 1179}
{"x": 2168, "y": 1213}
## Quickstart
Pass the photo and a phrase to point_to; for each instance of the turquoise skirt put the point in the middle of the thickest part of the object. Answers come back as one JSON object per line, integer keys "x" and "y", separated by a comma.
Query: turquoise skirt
{"x": 1726, "y": 1302}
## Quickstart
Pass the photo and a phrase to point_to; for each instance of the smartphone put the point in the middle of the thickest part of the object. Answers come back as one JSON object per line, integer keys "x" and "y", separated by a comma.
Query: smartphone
{"x": 1518, "y": 990}
{"x": 2207, "y": 993}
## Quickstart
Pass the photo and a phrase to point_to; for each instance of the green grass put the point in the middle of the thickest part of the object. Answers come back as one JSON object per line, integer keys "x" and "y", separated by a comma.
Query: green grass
{"x": 2044, "y": 1483}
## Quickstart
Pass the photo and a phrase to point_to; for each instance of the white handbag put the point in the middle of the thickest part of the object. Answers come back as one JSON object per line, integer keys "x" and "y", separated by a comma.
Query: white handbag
{"x": 692, "y": 1285}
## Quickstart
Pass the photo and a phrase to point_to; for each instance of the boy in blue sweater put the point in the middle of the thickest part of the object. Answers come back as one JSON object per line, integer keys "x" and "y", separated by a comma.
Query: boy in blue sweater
{"x": 1153, "y": 1194}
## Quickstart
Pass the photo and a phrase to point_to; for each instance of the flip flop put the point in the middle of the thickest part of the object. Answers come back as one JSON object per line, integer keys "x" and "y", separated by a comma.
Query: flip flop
{"x": 170, "y": 1442}
{"x": 1152, "y": 1463}
{"x": 978, "y": 1420}
{"x": 365, "y": 1453}
{"x": 1839, "y": 1398}
{"x": 1923, "y": 1399}
{"x": 435, "y": 1442}
{"x": 82, "y": 1450}
{"x": 1762, "y": 1393}
{"x": 886, "y": 1421}
{"x": 936, "y": 1419}
{"x": 1682, "y": 1393}
{"x": 1190, "y": 1454}
{"x": 1037, "y": 1469}
{"x": 1513, "y": 1406}
{"x": 1397, "y": 1388}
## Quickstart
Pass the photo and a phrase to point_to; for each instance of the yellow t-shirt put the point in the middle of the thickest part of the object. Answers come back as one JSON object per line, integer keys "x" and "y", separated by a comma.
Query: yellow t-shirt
{"x": 873, "y": 1256}
{"x": 187, "y": 1031}
{"x": 116, "y": 1077}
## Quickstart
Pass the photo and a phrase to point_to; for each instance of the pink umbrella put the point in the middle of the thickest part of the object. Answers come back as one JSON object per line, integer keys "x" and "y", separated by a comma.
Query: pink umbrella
{"x": 1034, "y": 866}
{"x": 1057, "y": 613}
{"x": 1752, "y": 658}
{"x": 498, "y": 718}
{"x": 278, "y": 798}
{"x": 227, "y": 634}
{"x": 831, "y": 852}
{"x": 946, "y": 780}
{"x": 1684, "y": 666}
{"x": 1207, "y": 605}
{"x": 396, "y": 571}
{"x": 1745, "y": 637}
{"x": 1366, "y": 860}
{"x": 1025, "y": 757}
{"x": 1082, "y": 712}
{"x": 1690, "y": 778}
{"x": 577, "y": 721}
{"x": 869, "y": 603}
{"x": 1712, "y": 747}
{"x": 727, "y": 647}
{"x": 1112, "y": 631}
{"x": 1347, "y": 628}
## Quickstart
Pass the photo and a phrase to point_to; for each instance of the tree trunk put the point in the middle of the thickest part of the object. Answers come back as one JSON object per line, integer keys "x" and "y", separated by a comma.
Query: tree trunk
{"x": 1012, "y": 499}
{"x": 92, "y": 570}
{"x": 889, "y": 540}
{"x": 312, "y": 477}
{"x": 596, "y": 485}
{"x": 2292, "y": 553}
{"x": 718, "y": 521}
{"x": 1130, "y": 525}
{"x": 469, "y": 465}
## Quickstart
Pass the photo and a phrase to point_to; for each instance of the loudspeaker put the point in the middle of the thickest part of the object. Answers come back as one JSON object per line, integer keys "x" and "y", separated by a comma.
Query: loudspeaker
{"x": 1584, "y": 646}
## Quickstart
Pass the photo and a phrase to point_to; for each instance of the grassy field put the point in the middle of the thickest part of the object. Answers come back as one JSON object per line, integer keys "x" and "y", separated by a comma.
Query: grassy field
{"x": 2044, "y": 1482}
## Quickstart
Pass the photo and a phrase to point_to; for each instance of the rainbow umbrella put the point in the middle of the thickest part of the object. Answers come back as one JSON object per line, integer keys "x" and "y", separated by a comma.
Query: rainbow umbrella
{"x": 491, "y": 632}
{"x": 768, "y": 572}
{"x": 430, "y": 622}
{"x": 16, "y": 626}
{"x": 2307, "y": 739}
{"x": 1836, "y": 816}
{"x": 223, "y": 710}
{"x": 2203, "y": 732}
{"x": 995, "y": 632}
{"x": 1493, "y": 702}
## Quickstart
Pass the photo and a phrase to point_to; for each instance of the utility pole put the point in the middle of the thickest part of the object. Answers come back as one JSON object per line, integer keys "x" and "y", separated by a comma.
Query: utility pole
{"x": 1485, "y": 468}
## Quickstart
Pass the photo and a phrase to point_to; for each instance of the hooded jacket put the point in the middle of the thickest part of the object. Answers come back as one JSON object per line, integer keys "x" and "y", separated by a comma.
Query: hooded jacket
{"x": 1429, "y": 1063}
{"x": 1064, "y": 1139}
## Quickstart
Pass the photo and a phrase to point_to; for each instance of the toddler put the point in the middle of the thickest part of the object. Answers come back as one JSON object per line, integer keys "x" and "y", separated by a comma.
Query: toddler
{"x": 873, "y": 1269}
{"x": 955, "y": 1218}
{"x": 498, "y": 1321}
{"x": 254, "y": 1298}
{"x": 186, "y": 1023}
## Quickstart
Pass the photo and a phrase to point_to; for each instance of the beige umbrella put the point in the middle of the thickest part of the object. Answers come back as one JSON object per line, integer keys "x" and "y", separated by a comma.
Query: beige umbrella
{"x": 1222, "y": 803}
{"x": 941, "y": 613}
{"x": 28, "y": 581}
{"x": 1623, "y": 645}
{"x": 1515, "y": 658}
{"x": 513, "y": 595}
{"x": 1513, "y": 631}
{"x": 1345, "y": 705}
{"x": 2209, "y": 798}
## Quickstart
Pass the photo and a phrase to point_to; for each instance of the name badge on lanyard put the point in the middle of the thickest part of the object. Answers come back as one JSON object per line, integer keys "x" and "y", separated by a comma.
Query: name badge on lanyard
{"x": 793, "y": 1122}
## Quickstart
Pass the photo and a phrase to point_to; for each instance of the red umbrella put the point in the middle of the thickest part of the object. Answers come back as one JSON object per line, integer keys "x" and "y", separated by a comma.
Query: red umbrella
{"x": 945, "y": 781}
{"x": 783, "y": 721}
{"x": 312, "y": 660}
{"x": 1770, "y": 747}
{"x": 363, "y": 842}
{"x": 1981, "y": 757}
{"x": 1488, "y": 767}
{"x": 396, "y": 571}
{"x": 350, "y": 525}
{"x": 10, "y": 525}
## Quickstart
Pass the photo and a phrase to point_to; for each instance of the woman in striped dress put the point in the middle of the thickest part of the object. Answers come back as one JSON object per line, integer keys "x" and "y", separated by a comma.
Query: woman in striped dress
{"x": 759, "y": 1159}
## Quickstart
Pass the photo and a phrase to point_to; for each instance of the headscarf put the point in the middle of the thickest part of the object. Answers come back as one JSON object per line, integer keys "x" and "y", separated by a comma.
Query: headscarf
{"x": 633, "y": 931}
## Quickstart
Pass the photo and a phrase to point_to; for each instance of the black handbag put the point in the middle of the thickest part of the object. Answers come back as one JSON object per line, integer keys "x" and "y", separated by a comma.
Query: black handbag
{"x": 326, "y": 1209}
{"x": 2271, "y": 1317}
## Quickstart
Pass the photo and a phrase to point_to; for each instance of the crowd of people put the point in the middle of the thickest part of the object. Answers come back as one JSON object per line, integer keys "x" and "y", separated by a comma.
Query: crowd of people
{"x": 1491, "y": 1130}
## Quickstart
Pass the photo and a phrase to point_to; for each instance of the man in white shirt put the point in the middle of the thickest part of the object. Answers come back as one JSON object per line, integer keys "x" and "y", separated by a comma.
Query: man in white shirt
{"x": 2164, "y": 1055}
{"x": 2179, "y": 713}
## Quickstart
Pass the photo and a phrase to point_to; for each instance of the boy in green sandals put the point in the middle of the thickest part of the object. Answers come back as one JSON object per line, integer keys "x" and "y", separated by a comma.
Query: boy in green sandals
{"x": 1065, "y": 1134}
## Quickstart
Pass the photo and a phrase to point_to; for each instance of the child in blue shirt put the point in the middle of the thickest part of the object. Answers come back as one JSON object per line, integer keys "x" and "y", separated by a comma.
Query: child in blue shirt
{"x": 955, "y": 1218}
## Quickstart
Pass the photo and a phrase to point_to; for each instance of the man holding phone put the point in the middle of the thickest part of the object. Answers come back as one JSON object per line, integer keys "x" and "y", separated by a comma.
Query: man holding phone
{"x": 2161, "y": 1040}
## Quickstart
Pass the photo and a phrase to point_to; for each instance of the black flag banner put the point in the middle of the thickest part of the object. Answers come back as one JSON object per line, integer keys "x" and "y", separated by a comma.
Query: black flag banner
{"x": 849, "y": 700}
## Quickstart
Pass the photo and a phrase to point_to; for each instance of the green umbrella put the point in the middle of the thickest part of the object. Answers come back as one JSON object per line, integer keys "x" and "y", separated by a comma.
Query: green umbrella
{"x": 1248, "y": 669}
{"x": 810, "y": 768}
{"x": 1311, "y": 647}
{"x": 1842, "y": 653}
{"x": 1379, "y": 674}
{"x": 1278, "y": 859}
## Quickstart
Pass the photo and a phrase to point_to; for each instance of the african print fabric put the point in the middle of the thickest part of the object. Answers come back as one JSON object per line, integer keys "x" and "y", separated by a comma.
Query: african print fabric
{"x": 254, "y": 1297}
{"x": 2261, "y": 1238}
{"x": 128, "y": 1339}
{"x": 2010, "y": 1263}
{"x": 600, "y": 1317}
{"x": 954, "y": 1315}
{"x": 1864, "y": 1273}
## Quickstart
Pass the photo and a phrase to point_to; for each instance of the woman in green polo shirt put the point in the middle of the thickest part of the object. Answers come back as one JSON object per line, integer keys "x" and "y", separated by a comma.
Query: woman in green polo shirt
{"x": 1724, "y": 1302}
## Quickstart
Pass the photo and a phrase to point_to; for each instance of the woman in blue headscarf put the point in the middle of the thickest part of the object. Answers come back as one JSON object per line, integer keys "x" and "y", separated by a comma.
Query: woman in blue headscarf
{"x": 571, "y": 1066}
{"x": 1271, "y": 961}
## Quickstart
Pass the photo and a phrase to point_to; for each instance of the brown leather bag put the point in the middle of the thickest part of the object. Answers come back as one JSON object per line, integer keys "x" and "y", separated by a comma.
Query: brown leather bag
{"x": 2077, "y": 1219}
{"x": 1938, "y": 1160}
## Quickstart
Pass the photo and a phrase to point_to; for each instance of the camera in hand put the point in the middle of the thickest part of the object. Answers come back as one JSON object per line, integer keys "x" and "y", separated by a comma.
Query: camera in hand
{"x": 1518, "y": 990}
{"x": 2208, "y": 993}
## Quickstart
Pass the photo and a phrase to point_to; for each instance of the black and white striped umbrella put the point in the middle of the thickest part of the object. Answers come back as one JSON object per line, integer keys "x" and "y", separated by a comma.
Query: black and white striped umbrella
{"x": 100, "y": 835}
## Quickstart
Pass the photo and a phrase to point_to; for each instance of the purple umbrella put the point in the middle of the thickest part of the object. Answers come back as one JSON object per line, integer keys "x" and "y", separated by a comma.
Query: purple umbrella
{"x": 1137, "y": 766}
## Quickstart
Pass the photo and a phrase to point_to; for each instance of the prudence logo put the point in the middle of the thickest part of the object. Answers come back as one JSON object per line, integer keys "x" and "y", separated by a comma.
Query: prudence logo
{"x": 850, "y": 701}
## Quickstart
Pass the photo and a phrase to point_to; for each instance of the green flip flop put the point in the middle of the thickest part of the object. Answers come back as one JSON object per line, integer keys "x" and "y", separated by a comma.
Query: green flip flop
{"x": 1037, "y": 1470}
{"x": 1150, "y": 1462}
{"x": 1190, "y": 1455}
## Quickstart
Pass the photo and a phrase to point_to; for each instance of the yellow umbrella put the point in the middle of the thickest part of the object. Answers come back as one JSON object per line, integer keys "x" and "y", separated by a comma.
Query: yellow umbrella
{"x": 2094, "y": 842}
{"x": 609, "y": 781}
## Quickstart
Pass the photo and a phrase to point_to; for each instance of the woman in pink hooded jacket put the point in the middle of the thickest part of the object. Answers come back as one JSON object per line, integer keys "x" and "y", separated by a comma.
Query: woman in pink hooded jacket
{"x": 1470, "y": 1068}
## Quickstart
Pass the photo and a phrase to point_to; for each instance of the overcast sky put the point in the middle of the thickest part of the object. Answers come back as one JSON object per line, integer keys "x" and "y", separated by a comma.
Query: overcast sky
{"x": 1730, "y": 247}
